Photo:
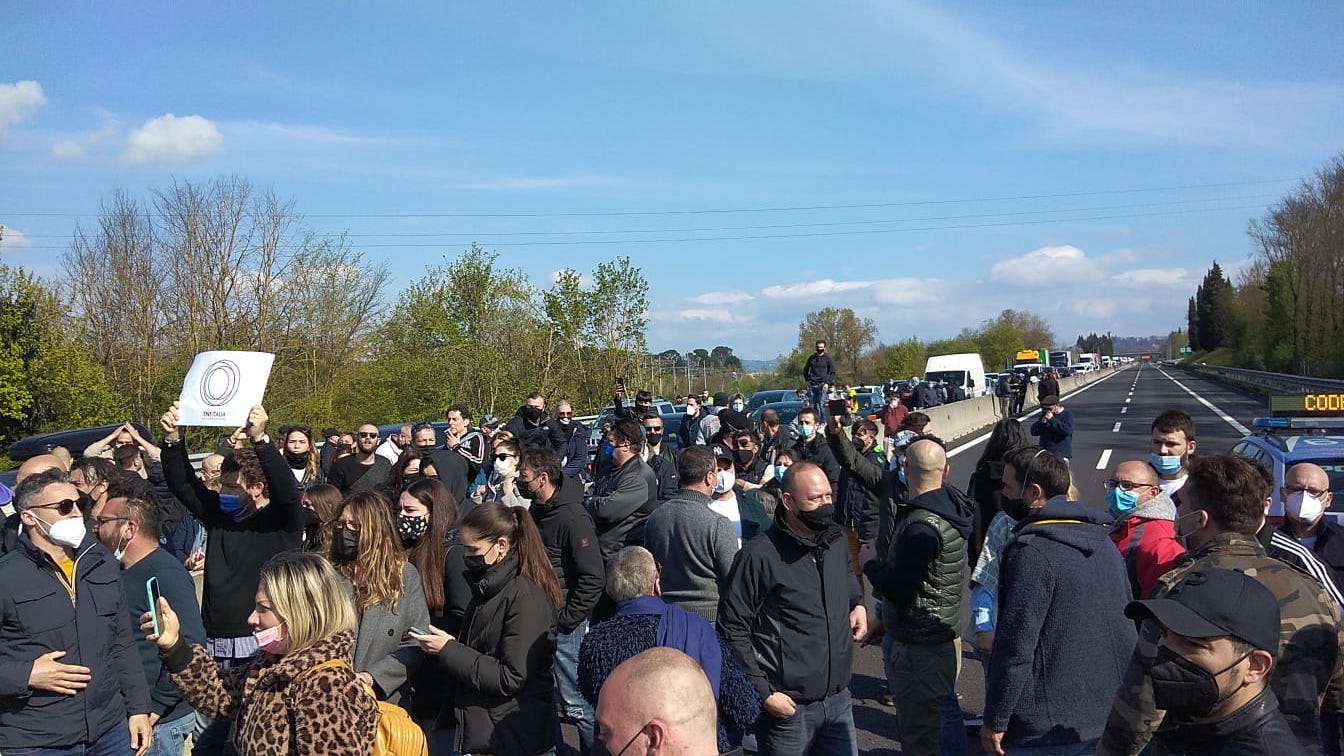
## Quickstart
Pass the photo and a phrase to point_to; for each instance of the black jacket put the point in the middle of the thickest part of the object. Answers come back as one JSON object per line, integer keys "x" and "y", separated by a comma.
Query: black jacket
{"x": 819, "y": 368}
{"x": 786, "y": 609}
{"x": 37, "y": 616}
{"x": 1047, "y": 387}
{"x": 535, "y": 428}
{"x": 1256, "y": 728}
{"x": 501, "y": 666}
{"x": 664, "y": 466}
{"x": 620, "y": 501}
{"x": 571, "y": 543}
{"x": 855, "y": 500}
{"x": 236, "y": 549}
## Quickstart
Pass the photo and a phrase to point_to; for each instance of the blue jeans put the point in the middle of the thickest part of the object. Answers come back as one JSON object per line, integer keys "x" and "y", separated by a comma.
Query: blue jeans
{"x": 820, "y": 728}
{"x": 171, "y": 737}
{"x": 573, "y": 705}
{"x": 115, "y": 742}
{"x": 816, "y": 393}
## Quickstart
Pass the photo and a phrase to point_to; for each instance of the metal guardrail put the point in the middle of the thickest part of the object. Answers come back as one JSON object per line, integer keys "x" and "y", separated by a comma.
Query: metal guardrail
{"x": 1268, "y": 383}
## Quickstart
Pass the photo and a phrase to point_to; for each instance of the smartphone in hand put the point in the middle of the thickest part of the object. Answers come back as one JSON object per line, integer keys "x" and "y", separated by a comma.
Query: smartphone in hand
{"x": 836, "y": 407}
{"x": 152, "y": 591}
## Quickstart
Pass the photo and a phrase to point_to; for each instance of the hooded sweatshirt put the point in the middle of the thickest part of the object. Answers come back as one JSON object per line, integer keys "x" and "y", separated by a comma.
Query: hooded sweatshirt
{"x": 1062, "y": 596}
{"x": 922, "y": 573}
{"x": 1146, "y": 538}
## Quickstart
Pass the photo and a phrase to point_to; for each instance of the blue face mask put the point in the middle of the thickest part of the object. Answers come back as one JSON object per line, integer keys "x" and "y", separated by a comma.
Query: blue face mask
{"x": 1165, "y": 465}
{"x": 779, "y": 471}
{"x": 900, "y": 474}
{"x": 607, "y": 450}
{"x": 806, "y": 431}
{"x": 229, "y": 504}
{"x": 1120, "y": 501}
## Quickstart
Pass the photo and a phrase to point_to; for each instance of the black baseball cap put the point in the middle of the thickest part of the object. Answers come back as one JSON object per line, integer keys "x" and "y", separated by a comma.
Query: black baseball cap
{"x": 738, "y": 421}
{"x": 721, "y": 452}
{"x": 1214, "y": 603}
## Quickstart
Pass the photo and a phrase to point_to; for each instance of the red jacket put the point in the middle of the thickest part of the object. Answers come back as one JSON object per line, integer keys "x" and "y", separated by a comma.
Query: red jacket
{"x": 891, "y": 418}
{"x": 1150, "y": 549}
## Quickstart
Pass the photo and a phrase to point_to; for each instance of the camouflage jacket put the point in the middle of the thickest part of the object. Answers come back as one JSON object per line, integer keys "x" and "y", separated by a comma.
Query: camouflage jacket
{"x": 1308, "y": 672}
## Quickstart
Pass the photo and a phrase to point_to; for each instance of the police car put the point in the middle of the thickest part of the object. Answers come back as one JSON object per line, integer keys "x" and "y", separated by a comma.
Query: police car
{"x": 1302, "y": 428}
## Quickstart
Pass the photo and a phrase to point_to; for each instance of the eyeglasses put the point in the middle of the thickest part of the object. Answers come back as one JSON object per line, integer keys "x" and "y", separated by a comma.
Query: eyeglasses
{"x": 106, "y": 520}
{"x": 362, "y": 434}
{"x": 1318, "y": 493}
{"x": 1128, "y": 485}
{"x": 564, "y": 414}
{"x": 62, "y": 507}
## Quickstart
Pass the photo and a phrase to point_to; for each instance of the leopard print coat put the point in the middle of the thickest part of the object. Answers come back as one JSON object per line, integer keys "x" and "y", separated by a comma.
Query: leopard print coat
{"x": 325, "y": 712}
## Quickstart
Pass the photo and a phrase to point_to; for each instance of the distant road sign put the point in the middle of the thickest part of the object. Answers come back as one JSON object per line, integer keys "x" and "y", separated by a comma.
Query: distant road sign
{"x": 1184, "y": 351}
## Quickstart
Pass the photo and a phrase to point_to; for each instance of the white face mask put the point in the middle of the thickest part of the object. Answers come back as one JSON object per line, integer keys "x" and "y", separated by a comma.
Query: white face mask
{"x": 503, "y": 466}
{"x": 68, "y": 532}
{"x": 723, "y": 482}
{"x": 1304, "y": 507}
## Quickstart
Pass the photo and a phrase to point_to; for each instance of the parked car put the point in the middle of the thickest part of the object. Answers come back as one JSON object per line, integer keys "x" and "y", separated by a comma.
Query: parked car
{"x": 770, "y": 396}
{"x": 788, "y": 411}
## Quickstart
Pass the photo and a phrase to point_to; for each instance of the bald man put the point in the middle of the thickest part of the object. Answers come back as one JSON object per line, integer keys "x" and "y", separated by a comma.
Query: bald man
{"x": 920, "y": 579}
{"x": 1145, "y": 528}
{"x": 1306, "y": 497}
{"x": 657, "y": 702}
{"x": 35, "y": 465}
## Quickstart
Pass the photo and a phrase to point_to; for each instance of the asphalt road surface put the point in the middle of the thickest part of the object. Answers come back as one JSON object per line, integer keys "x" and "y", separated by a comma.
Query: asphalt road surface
{"x": 1112, "y": 419}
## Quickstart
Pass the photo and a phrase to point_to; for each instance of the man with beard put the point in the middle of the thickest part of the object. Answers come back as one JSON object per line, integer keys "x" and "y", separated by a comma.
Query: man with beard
{"x": 392, "y": 447}
{"x": 532, "y": 427}
{"x": 574, "y": 455}
{"x": 364, "y": 470}
{"x": 1173, "y": 442}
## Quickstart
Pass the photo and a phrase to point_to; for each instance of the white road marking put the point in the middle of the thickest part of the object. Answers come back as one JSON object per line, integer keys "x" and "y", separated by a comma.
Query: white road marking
{"x": 1243, "y": 430}
{"x": 985, "y": 436}
{"x": 1126, "y": 401}
{"x": 1123, "y": 410}
{"x": 1116, "y": 429}
{"x": 1105, "y": 457}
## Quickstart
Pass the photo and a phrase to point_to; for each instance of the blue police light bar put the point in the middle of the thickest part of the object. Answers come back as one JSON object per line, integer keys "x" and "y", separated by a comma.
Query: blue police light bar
{"x": 1299, "y": 423}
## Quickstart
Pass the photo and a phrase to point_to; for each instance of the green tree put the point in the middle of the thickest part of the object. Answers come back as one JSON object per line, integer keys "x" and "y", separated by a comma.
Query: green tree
{"x": 902, "y": 359}
{"x": 1214, "y": 304}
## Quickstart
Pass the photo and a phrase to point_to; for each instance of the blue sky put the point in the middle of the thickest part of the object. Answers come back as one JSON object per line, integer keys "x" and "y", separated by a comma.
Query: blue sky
{"x": 620, "y": 117}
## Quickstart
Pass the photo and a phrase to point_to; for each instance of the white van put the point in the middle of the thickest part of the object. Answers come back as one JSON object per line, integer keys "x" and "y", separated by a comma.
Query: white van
{"x": 965, "y": 370}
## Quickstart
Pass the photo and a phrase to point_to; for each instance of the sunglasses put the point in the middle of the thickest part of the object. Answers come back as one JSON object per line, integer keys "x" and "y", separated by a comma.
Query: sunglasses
{"x": 564, "y": 414}
{"x": 651, "y": 428}
{"x": 744, "y": 444}
{"x": 504, "y": 456}
{"x": 362, "y": 434}
{"x": 62, "y": 507}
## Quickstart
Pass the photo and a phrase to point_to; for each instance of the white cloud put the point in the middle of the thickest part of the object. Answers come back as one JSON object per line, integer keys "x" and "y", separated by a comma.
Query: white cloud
{"x": 13, "y": 238}
{"x": 18, "y": 101}
{"x": 811, "y": 289}
{"x": 1044, "y": 267}
{"x": 1155, "y": 277}
{"x": 170, "y": 139}
{"x": 585, "y": 279}
{"x": 722, "y": 298}
{"x": 78, "y": 146}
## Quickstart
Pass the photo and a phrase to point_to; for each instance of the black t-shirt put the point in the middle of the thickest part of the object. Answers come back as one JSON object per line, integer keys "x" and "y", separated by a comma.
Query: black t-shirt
{"x": 352, "y": 476}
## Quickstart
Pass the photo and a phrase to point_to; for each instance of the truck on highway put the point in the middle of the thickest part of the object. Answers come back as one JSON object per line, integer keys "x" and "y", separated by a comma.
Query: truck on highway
{"x": 1033, "y": 361}
{"x": 1061, "y": 359}
{"x": 1090, "y": 360}
{"x": 966, "y": 370}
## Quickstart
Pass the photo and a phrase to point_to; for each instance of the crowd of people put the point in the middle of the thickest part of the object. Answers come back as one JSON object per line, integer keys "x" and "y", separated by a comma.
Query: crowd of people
{"x": 480, "y": 592}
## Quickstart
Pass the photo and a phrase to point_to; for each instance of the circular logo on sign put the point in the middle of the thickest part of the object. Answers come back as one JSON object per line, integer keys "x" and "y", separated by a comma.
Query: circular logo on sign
{"x": 220, "y": 383}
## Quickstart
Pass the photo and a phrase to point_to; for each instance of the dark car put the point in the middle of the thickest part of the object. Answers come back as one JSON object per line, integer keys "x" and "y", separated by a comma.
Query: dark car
{"x": 788, "y": 411}
{"x": 74, "y": 441}
{"x": 770, "y": 396}
{"x": 440, "y": 432}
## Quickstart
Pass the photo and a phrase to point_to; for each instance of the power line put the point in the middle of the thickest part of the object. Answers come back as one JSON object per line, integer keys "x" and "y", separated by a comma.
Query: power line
{"x": 803, "y": 208}
{"x": 681, "y": 240}
{"x": 829, "y": 224}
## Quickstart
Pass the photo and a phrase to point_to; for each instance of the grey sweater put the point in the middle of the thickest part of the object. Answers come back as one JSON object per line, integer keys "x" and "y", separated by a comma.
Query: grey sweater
{"x": 695, "y": 547}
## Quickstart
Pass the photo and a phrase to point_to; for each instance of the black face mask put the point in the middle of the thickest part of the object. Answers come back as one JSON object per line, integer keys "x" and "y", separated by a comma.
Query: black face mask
{"x": 533, "y": 414}
{"x": 410, "y": 478}
{"x": 818, "y": 520}
{"x": 1184, "y": 688}
{"x": 411, "y": 527}
{"x": 296, "y": 461}
{"x": 654, "y": 438}
{"x": 524, "y": 489}
{"x": 347, "y": 545}
{"x": 312, "y": 525}
{"x": 743, "y": 457}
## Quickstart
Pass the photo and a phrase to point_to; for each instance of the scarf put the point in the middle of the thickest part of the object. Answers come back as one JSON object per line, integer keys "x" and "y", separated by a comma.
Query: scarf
{"x": 682, "y": 630}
